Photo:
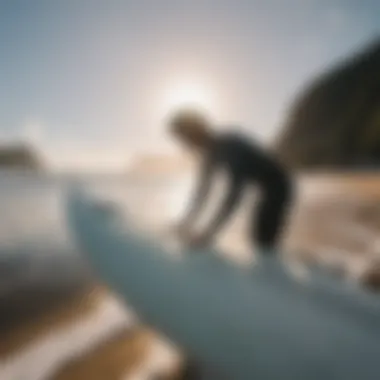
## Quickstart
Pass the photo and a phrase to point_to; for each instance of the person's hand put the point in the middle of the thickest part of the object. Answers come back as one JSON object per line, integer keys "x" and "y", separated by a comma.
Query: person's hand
{"x": 197, "y": 241}
{"x": 180, "y": 231}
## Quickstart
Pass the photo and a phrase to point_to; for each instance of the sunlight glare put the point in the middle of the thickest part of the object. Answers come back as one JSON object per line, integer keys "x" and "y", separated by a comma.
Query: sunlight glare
{"x": 188, "y": 95}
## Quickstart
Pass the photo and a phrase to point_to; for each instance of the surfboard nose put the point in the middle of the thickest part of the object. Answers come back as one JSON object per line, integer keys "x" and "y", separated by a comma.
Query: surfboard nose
{"x": 82, "y": 208}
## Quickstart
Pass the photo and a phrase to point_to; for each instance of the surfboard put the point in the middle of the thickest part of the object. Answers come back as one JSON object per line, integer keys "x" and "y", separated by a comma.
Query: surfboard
{"x": 237, "y": 323}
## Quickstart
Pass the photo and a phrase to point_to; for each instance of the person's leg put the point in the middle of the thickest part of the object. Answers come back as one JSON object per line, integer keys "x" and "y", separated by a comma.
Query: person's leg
{"x": 265, "y": 226}
{"x": 269, "y": 219}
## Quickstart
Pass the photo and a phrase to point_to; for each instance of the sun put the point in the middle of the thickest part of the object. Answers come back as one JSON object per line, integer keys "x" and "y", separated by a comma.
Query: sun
{"x": 188, "y": 95}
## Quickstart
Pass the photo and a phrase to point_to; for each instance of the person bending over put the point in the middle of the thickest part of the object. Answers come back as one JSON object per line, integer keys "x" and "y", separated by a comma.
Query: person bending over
{"x": 245, "y": 163}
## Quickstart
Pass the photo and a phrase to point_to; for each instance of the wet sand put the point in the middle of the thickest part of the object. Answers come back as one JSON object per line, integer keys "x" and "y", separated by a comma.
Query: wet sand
{"x": 35, "y": 314}
{"x": 124, "y": 351}
{"x": 341, "y": 226}
{"x": 118, "y": 356}
{"x": 65, "y": 310}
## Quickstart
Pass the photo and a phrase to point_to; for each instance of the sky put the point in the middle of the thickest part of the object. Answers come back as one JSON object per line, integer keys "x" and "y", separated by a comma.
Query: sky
{"x": 90, "y": 82}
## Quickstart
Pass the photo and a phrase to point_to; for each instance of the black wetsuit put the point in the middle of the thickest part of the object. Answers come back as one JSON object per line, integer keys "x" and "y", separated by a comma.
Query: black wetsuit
{"x": 245, "y": 164}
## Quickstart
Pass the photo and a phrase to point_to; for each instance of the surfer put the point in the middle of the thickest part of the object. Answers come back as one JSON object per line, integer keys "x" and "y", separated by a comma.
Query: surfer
{"x": 245, "y": 163}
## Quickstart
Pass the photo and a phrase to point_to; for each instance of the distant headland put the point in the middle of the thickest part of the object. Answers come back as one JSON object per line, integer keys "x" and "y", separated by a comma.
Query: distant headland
{"x": 19, "y": 156}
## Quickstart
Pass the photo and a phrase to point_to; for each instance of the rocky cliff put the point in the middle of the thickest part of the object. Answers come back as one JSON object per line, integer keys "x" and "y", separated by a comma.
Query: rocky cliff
{"x": 335, "y": 123}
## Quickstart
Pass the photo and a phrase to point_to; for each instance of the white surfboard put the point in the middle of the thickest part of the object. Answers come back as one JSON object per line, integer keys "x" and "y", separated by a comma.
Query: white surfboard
{"x": 241, "y": 325}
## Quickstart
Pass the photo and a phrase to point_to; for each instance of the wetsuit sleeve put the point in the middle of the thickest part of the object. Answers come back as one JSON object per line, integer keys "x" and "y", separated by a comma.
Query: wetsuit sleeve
{"x": 228, "y": 205}
{"x": 208, "y": 169}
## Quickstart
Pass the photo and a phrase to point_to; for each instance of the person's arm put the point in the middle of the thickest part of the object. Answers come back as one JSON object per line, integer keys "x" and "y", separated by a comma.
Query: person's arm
{"x": 228, "y": 206}
{"x": 208, "y": 169}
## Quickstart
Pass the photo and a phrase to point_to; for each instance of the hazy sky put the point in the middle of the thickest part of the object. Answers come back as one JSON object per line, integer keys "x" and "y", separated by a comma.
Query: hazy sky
{"x": 97, "y": 76}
